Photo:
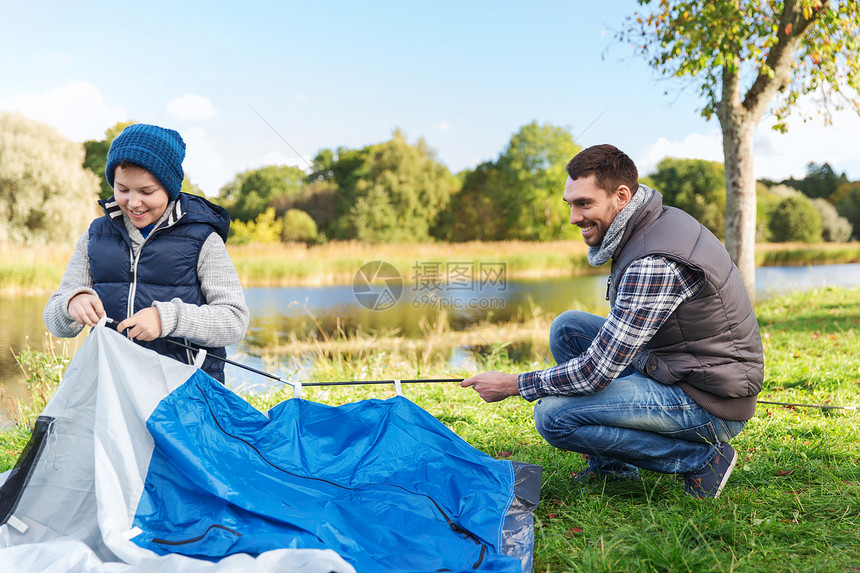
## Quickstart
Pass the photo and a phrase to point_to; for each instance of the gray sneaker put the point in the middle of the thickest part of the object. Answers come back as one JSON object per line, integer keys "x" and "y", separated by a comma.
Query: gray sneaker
{"x": 710, "y": 480}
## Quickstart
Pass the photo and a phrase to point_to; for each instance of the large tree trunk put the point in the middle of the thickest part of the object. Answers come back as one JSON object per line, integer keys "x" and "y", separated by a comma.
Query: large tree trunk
{"x": 738, "y": 118}
{"x": 740, "y": 196}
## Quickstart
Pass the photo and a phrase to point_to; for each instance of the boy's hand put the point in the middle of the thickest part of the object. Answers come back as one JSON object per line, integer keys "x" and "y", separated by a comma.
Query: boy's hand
{"x": 144, "y": 325}
{"x": 86, "y": 309}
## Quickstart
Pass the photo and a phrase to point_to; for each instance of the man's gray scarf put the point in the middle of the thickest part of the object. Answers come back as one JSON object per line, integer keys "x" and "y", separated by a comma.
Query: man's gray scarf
{"x": 598, "y": 255}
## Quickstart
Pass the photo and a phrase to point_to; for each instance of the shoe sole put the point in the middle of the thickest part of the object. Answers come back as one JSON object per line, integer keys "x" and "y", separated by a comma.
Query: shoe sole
{"x": 726, "y": 475}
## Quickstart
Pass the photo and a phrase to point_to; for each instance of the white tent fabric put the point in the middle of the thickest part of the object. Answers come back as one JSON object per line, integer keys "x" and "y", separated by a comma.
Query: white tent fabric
{"x": 76, "y": 513}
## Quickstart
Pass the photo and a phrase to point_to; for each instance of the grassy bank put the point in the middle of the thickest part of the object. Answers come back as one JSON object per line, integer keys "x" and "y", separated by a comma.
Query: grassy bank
{"x": 792, "y": 504}
{"x": 38, "y": 269}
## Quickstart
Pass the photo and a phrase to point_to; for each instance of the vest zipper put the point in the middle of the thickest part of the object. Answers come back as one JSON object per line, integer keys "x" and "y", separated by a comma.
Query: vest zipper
{"x": 608, "y": 284}
{"x": 132, "y": 288}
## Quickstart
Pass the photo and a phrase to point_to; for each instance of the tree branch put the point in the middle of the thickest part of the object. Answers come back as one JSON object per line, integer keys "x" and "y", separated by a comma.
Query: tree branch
{"x": 792, "y": 26}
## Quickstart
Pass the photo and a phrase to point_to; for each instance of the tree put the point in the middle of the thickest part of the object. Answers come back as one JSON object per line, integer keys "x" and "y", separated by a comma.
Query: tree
{"x": 695, "y": 186}
{"x": 796, "y": 219}
{"x": 746, "y": 58}
{"x": 318, "y": 199}
{"x": 253, "y": 191}
{"x": 474, "y": 210}
{"x": 46, "y": 195}
{"x": 335, "y": 178}
{"x": 820, "y": 181}
{"x": 519, "y": 196}
{"x": 391, "y": 191}
{"x": 532, "y": 167}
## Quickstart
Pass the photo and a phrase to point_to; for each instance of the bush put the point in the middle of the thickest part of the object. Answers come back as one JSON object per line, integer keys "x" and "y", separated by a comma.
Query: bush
{"x": 264, "y": 229}
{"x": 834, "y": 229}
{"x": 795, "y": 219}
{"x": 298, "y": 226}
{"x": 847, "y": 201}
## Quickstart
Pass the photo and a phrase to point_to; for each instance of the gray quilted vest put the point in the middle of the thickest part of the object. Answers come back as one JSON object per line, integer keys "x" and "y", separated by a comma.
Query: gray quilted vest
{"x": 711, "y": 345}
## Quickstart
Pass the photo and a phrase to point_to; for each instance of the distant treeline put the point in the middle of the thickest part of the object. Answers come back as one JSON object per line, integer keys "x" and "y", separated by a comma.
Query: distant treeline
{"x": 397, "y": 191}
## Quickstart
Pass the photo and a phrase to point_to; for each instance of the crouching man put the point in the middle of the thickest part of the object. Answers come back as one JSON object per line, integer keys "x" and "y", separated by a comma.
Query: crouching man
{"x": 672, "y": 374}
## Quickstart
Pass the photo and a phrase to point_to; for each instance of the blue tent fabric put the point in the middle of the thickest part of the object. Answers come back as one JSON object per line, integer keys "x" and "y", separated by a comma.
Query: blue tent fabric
{"x": 315, "y": 476}
{"x": 149, "y": 465}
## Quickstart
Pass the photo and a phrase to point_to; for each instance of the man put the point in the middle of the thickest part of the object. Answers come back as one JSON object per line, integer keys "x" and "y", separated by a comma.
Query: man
{"x": 673, "y": 372}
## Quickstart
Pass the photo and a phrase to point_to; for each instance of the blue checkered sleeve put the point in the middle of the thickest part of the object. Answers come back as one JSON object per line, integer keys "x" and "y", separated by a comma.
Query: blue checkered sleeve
{"x": 648, "y": 293}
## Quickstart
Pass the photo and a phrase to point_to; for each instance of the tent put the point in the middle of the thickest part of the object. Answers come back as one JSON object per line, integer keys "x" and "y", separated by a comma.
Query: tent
{"x": 141, "y": 463}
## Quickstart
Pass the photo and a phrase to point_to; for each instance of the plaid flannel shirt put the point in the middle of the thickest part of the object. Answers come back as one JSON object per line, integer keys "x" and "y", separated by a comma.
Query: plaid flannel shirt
{"x": 649, "y": 292}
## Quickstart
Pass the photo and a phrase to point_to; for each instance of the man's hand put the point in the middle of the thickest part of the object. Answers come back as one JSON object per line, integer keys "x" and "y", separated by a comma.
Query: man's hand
{"x": 493, "y": 386}
{"x": 86, "y": 309}
{"x": 144, "y": 325}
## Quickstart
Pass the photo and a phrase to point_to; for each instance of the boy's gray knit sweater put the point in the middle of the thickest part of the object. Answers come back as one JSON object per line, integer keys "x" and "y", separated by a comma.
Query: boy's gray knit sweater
{"x": 220, "y": 322}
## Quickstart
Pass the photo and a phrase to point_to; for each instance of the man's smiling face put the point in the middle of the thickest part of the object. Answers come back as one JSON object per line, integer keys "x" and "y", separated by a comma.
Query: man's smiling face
{"x": 593, "y": 209}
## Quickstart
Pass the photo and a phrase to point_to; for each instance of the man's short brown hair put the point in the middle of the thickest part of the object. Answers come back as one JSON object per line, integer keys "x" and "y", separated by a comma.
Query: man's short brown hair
{"x": 610, "y": 166}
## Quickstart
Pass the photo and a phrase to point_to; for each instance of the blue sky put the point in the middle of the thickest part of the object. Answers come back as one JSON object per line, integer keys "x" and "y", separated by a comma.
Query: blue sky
{"x": 464, "y": 75}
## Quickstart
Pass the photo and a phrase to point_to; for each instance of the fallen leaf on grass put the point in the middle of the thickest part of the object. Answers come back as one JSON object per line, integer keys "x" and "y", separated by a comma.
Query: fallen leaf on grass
{"x": 783, "y": 473}
{"x": 505, "y": 455}
{"x": 574, "y": 531}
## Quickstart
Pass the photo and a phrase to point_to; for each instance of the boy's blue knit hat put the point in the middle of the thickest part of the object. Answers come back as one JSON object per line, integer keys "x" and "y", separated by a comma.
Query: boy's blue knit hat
{"x": 158, "y": 150}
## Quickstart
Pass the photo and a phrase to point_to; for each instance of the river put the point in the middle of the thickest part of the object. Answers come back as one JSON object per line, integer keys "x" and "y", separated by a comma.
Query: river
{"x": 277, "y": 311}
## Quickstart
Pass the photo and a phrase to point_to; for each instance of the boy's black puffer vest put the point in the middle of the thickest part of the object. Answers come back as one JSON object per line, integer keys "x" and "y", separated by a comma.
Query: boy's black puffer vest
{"x": 711, "y": 345}
{"x": 166, "y": 267}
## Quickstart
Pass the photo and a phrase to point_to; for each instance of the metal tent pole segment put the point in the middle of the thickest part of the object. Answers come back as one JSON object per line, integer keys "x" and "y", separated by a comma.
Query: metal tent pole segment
{"x": 346, "y": 383}
{"x": 401, "y": 380}
{"x": 297, "y": 386}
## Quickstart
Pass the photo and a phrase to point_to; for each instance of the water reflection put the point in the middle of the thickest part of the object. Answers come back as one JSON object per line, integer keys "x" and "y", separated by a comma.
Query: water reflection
{"x": 277, "y": 313}
{"x": 309, "y": 312}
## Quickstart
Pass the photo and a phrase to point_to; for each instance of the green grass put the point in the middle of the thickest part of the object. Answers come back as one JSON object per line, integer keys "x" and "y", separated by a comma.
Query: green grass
{"x": 792, "y": 504}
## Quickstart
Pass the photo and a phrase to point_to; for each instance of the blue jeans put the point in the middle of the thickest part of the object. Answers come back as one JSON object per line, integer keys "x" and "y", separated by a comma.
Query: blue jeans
{"x": 634, "y": 421}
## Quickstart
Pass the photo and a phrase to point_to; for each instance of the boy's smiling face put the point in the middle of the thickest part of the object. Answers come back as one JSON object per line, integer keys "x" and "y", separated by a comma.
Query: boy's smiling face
{"x": 139, "y": 194}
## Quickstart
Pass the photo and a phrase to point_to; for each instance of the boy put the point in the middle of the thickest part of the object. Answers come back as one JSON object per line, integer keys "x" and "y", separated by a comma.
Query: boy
{"x": 156, "y": 261}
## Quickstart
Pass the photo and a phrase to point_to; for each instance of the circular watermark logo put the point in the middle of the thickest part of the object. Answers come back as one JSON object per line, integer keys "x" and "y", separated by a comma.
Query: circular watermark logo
{"x": 377, "y": 285}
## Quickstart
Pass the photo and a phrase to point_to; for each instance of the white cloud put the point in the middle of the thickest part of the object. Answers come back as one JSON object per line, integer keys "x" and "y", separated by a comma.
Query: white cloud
{"x": 191, "y": 106}
{"x": 274, "y": 158}
{"x": 278, "y": 158}
{"x": 204, "y": 165}
{"x": 75, "y": 109}
{"x": 695, "y": 146}
{"x": 779, "y": 156}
